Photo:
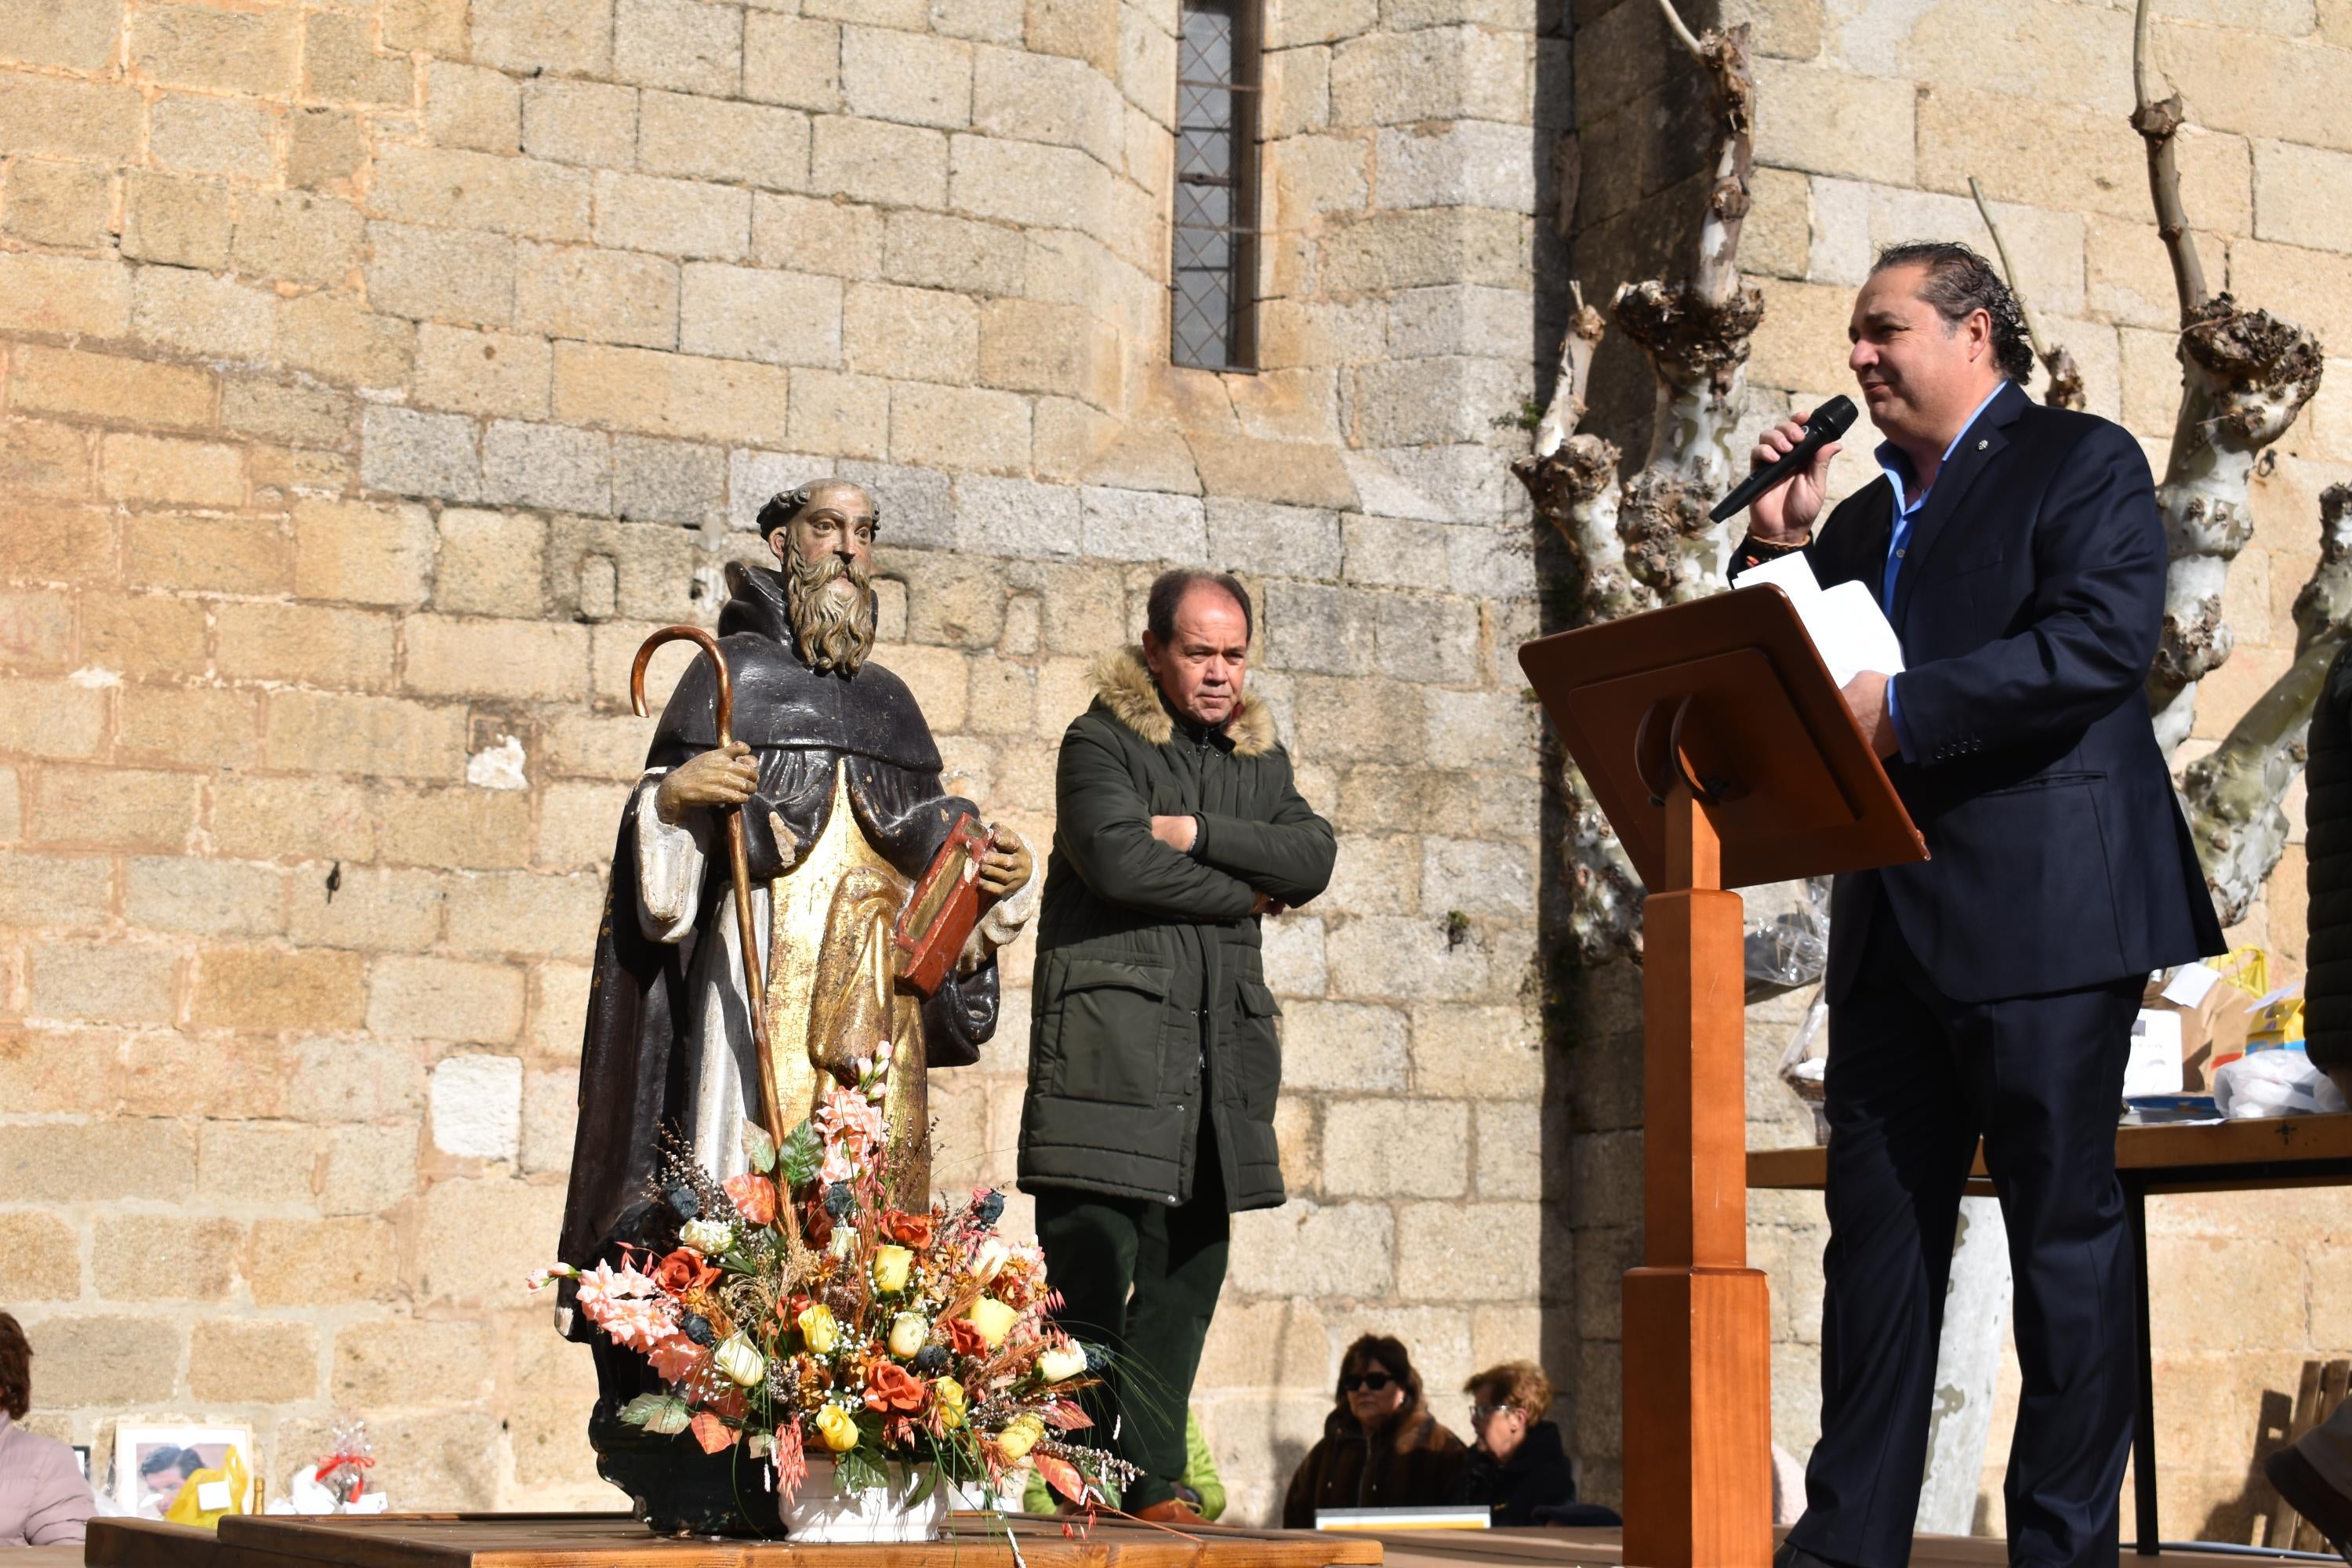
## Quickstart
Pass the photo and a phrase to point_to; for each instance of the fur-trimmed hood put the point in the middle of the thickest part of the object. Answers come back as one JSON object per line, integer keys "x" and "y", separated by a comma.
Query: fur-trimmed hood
{"x": 1123, "y": 680}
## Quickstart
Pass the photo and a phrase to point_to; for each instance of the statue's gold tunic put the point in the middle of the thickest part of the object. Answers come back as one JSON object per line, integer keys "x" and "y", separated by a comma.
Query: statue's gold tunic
{"x": 832, "y": 996}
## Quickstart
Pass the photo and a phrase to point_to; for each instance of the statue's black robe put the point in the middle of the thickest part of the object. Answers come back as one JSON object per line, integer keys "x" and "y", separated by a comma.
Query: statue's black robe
{"x": 800, "y": 725}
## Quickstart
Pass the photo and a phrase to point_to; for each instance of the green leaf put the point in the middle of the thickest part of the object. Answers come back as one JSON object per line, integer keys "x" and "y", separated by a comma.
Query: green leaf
{"x": 925, "y": 1483}
{"x": 758, "y": 1147}
{"x": 801, "y": 1155}
{"x": 660, "y": 1414}
{"x": 857, "y": 1470}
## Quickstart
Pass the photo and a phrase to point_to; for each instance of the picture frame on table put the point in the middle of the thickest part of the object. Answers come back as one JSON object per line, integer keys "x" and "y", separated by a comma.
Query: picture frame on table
{"x": 152, "y": 1463}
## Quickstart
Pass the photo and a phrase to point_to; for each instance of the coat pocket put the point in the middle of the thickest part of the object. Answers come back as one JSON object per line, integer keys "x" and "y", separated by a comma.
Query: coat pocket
{"x": 1258, "y": 1042}
{"x": 1103, "y": 1030}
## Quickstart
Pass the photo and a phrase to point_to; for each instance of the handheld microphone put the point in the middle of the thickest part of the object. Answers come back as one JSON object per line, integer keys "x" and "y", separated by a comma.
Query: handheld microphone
{"x": 1828, "y": 423}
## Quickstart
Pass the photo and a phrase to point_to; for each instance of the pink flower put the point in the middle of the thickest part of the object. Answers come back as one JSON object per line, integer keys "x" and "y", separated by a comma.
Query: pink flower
{"x": 675, "y": 1358}
{"x": 847, "y": 1114}
{"x": 838, "y": 1166}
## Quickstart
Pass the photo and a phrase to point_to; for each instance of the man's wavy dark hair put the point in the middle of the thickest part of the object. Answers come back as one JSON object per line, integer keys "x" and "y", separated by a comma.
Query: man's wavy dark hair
{"x": 1959, "y": 280}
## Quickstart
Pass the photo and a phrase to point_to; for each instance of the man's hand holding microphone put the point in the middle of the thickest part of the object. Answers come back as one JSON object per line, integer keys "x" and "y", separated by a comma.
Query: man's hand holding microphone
{"x": 1783, "y": 515}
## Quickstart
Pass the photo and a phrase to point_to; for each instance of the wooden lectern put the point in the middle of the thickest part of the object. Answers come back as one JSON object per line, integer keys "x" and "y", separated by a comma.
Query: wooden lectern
{"x": 1713, "y": 737}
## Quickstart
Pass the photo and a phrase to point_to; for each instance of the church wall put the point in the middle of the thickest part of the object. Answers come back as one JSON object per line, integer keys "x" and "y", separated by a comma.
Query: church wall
{"x": 1871, "y": 117}
{"x": 377, "y": 373}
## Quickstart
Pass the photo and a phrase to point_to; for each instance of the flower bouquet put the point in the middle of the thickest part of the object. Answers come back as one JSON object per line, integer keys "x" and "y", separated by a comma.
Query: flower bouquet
{"x": 804, "y": 1321}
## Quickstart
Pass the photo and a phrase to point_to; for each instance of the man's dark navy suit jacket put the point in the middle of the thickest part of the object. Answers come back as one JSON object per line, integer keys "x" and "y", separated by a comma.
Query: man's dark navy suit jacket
{"x": 2029, "y": 605}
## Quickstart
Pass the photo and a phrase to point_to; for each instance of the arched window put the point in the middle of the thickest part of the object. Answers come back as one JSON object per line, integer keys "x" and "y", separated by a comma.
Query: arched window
{"x": 1214, "y": 279}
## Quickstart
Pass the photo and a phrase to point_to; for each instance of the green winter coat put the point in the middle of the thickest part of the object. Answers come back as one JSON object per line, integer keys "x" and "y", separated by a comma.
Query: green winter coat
{"x": 1148, "y": 971}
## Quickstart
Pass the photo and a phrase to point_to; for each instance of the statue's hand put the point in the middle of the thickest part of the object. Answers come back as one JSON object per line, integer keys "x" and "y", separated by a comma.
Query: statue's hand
{"x": 1005, "y": 869}
{"x": 724, "y": 776}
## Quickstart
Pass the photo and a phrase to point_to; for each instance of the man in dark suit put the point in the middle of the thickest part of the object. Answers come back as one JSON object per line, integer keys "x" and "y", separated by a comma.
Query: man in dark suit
{"x": 1990, "y": 990}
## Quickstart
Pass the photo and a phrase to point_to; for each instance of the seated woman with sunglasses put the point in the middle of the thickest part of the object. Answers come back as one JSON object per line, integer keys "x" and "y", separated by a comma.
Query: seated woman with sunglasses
{"x": 1381, "y": 1447}
{"x": 1520, "y": 1464}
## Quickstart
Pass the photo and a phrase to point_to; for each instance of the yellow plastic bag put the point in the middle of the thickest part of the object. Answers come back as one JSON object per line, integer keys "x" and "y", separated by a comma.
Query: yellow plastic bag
{"x": 2247, "y": 968}
{"x": 188, "y": 1506}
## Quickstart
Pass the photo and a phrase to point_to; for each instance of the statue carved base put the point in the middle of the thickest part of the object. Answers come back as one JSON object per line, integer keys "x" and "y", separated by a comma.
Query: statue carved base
{"x": 678, "y": 1489}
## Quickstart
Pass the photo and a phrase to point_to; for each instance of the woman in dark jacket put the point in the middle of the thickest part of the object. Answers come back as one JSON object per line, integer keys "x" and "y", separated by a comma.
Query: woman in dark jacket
{"x": 1381, "y": 1447}
{"x": 1520, "y": 1464}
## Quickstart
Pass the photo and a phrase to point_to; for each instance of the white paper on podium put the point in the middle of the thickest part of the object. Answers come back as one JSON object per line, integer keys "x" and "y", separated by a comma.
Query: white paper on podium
{"x": 1849, "y": 631}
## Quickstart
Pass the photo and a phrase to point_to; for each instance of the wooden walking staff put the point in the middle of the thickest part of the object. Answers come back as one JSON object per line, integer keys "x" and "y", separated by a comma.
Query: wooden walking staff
{"x": 737, "y": 862}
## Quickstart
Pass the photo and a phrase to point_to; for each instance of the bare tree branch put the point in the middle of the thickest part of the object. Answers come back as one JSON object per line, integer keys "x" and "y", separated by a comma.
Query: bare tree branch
{"x": 2066, "y": 389}
{"x": 1681, "y": 31}
{"x": 2159, "y": 123}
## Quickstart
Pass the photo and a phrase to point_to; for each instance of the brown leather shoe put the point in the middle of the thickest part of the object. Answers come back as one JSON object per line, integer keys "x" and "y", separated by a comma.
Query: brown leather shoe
{"x": 2307, "y": 1492}
{"x": 1174, "y": 1510}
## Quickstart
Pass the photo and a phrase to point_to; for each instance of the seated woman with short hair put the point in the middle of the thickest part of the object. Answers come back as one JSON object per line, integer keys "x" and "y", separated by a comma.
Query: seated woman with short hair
{"x": 1520, "y": 1464}
{"x": 44, "y": 1501}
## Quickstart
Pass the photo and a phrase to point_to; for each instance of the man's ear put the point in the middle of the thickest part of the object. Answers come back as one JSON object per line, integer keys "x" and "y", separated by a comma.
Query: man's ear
{"x": 1151, "y": 652}
{"x": 780, "y": 544}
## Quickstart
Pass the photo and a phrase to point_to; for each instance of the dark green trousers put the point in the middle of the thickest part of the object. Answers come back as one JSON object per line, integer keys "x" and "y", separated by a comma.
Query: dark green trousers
{"x": 1143, "y": 1280}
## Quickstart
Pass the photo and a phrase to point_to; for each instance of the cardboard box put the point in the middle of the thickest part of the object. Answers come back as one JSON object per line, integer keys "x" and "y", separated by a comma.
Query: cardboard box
{"x": 2216, "y": 1013}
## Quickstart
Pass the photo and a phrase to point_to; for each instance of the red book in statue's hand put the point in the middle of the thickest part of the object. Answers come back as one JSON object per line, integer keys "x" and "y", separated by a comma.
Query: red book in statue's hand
{"x": 945, "y": 906}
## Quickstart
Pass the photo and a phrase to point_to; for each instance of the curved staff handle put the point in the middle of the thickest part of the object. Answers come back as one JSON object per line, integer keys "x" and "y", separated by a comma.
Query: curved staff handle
{"x": 737, "y": 862}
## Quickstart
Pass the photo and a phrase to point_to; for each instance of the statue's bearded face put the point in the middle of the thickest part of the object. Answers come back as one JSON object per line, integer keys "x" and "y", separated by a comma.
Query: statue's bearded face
{"x": 826, "y": 553}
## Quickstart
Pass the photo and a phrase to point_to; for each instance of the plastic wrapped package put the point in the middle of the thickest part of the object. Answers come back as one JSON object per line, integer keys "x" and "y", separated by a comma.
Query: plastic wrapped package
{"x": 1787, "y": 935}
{"x": 2275, "y": 1083}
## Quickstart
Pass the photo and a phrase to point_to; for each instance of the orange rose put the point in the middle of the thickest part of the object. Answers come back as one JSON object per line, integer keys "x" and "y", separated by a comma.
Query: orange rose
{"x": 964, "y": 1337}
{"x": 889, "y": 1386}
{"x": 755, "y": 1197}
{"x": 907, "y": 1229}
{"x": 683, "y": 1271}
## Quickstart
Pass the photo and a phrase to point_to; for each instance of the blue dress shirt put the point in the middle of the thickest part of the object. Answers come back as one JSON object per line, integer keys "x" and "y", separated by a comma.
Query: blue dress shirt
{"x": 1907, "y": 507}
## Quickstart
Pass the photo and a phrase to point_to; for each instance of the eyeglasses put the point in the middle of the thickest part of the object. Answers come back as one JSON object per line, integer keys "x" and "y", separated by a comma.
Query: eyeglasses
{"x": 1373, "y": 1381}
{"x": 1480, "y": 1412}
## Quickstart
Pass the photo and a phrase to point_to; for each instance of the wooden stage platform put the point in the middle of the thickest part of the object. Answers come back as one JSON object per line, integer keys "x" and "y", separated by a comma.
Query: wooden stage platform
{"x": 1597, "y": 1549}
{"x": 615, "y": 1540}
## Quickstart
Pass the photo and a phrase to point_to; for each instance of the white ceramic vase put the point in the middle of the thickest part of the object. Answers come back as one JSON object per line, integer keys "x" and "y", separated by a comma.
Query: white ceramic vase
{"x": 820, "y": 1514}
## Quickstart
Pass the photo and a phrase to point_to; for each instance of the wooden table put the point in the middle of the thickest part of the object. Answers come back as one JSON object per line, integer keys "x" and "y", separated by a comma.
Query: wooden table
{"x": 618, "y": 1540}
{"x": 1600, "y": 1549}
{"x": 2223, "y": 1157}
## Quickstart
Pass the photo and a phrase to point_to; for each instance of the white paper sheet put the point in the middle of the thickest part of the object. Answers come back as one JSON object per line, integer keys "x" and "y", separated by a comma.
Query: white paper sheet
{"x": 1849, "y": 631}
{"x": 2189, "y": 984}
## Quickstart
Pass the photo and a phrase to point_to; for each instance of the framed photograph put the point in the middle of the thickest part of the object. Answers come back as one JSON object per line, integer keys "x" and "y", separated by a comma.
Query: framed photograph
{"x": 153, "y": 1465}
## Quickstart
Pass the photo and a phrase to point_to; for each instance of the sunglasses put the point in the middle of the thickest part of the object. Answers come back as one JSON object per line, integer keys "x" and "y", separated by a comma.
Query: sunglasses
{"x": 1374, "y": 1381}
{"x": 1481, "y": 1412}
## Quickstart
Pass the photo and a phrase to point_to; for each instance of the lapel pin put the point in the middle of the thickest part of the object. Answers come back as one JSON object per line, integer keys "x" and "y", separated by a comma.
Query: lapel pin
{"x": 1982, "y": 442}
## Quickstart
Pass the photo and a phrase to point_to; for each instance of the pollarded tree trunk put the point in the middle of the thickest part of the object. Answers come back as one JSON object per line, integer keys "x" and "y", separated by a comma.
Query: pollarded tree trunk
{"x": 2234, "y": 795}
{"x": 1647, "y": 542}
{"x": 2245, "y": 376}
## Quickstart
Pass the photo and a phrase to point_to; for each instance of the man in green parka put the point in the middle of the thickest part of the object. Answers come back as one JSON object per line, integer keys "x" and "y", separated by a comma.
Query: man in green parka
{"x": 1153, "y": 1058}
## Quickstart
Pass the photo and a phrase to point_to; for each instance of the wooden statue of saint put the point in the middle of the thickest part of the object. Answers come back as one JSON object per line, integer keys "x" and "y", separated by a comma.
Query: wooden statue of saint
{"x": 838, "y": 782}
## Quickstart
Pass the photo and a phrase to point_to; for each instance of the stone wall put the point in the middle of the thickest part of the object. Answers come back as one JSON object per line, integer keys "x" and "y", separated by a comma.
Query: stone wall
{"x": 378, "y": 373}
{"x": 1871, "y": 117}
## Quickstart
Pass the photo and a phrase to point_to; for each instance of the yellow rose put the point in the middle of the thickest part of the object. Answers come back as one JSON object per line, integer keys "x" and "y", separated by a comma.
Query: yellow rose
{"x": 1058, "y": 1362}
{"x": 907, "y": 1332}
{"x": 839, "y": 1432}
{"x": 740, "y": 1363}
{"x": 950, "y": 1394}
{"x": 1018, "y": 1438}
{"x": 891, "y": 1266}
{"x": 819, "y": 1329}
{"x": 993, "y": 1319}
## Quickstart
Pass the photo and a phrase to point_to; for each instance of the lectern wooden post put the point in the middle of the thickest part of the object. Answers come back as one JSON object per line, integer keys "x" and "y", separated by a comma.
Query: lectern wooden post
{"x": 1719, "y": 746}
